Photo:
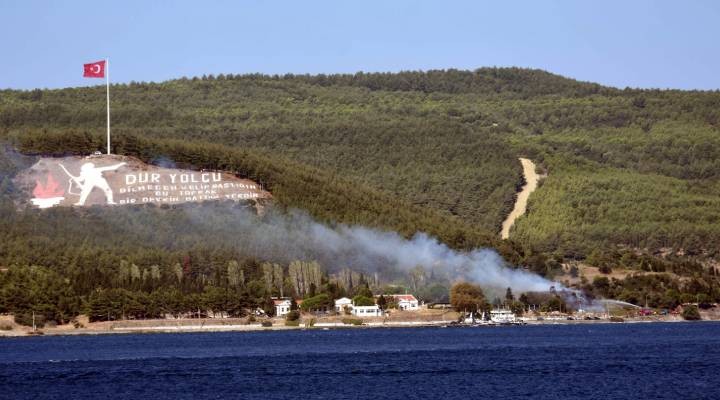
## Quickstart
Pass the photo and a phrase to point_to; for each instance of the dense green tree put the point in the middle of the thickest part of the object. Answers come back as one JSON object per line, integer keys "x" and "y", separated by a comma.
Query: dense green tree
{"x": 364, "y": 291}
{"x": 317, "y": 303}
{"x": 691, "y": 313}
{"x": 361, "y": 300}
{"x": 467, "y": 297}
{"x": 293, "y": 315}
{"x": 517, "y": 307}
{"x": 382, "y": 302}
{"x": 556, "y": 303}
{"x": 509, "y": 295}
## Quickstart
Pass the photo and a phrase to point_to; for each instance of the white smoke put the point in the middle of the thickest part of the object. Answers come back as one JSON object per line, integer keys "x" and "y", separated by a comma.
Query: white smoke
{"x": 292, "y": 236}
{"x": 483, "y": 266}
{"x": 283, "y": 237}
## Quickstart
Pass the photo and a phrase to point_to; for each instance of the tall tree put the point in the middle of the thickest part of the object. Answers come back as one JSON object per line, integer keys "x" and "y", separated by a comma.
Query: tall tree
{"x": 465, "y": 296}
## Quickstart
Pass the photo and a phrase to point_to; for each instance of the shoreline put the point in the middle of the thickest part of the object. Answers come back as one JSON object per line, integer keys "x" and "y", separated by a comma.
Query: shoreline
{"x": 256, "y": 327}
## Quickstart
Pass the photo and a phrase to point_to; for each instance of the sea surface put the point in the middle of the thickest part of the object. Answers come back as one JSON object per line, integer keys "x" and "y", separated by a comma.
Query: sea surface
{"x": 598, "y": 361}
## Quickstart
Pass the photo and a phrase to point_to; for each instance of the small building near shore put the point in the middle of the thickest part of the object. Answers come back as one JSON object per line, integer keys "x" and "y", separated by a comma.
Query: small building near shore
{"x": 367, "y": 311}
{"x": 406, "y": 302}
{"x": 282, "y": 307}
{"x": 342, "y": 303}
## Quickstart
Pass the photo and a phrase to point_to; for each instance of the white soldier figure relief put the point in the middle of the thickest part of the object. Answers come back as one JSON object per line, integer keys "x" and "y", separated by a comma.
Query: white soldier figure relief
{"x": 90, "y": 178}
{"x": 100, "y": 180}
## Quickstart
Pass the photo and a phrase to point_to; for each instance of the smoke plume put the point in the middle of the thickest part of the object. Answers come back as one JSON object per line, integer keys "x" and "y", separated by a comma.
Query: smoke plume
{"x": 295, "y": 235}
{"x": 287, "y": 236}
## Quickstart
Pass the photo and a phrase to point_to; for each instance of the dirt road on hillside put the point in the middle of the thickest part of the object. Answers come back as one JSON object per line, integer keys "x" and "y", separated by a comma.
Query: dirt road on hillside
{"x": 531, "y": 182}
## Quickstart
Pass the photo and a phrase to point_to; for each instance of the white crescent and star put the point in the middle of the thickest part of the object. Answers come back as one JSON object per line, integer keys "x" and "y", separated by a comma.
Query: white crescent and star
{"x": 96, "y": 68}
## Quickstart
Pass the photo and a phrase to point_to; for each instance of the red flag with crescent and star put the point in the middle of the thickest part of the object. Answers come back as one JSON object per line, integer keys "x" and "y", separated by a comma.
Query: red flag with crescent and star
{"x": 94, "y": 70}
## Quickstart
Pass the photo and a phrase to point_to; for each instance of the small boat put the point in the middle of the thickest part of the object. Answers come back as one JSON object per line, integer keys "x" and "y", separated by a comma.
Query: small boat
{"x": 504, "y": 317}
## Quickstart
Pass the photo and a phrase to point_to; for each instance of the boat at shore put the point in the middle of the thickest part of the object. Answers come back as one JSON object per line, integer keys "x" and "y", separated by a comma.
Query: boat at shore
{"x": 504, "y": 317}
{"x": 496, "y": 317}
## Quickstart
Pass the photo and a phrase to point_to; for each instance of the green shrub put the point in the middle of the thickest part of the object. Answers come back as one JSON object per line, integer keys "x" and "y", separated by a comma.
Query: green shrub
{"x": 704, "y": 301}
{"x": 352, "y": 321}
{"x": 605, "y": 269}
{"x": 321, "y": 301}
{"x": 5, "y": 326}
{"x": 691, "y": 313}
{"x": 292, "y": 323}
{"x": 266, "y": 324}
{"x": 292, "y": 316}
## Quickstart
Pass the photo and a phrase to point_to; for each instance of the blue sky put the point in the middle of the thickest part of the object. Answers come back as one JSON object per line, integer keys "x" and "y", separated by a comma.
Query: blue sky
{"x": 658, "y": 44}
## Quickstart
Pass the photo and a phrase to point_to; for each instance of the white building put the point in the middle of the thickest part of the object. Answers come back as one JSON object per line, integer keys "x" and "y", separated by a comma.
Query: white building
{"x": 341, "y": 303}
{"x": 367, "y": 311}
{"x": 282, "y": 307}
{"x": 406, "y": 302}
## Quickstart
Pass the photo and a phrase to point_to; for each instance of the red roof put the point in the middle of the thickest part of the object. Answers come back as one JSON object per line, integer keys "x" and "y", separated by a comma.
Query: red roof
{"x": 280, "y": 301}
{"x": 406, "y": 297}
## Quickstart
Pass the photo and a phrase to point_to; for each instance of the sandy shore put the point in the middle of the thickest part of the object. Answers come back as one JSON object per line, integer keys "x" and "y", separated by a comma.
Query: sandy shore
{"x": 397, "y": 319}
{"x": 211, "y": 325}
{"x": 184, "y": 328}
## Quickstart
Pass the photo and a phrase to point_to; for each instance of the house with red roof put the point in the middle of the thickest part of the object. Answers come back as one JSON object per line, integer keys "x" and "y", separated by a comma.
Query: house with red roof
{"x": 282, "y": 306}
{"x": 406, "y": 302}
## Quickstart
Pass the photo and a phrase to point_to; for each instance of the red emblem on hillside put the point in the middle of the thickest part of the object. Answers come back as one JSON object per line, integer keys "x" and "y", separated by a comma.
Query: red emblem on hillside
{"x": 51, "y": 189}
{"x": 47, "y": 195}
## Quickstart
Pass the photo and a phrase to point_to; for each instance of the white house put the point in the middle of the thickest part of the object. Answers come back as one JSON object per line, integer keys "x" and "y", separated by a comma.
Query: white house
{"x": 406, "y": 302}
{"x": 282, "y": 307}
{"x": 341, "y": 303}
{"x": 367, "y": 311}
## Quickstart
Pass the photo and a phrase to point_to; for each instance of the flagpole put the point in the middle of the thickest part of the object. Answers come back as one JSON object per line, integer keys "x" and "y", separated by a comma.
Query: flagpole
{"x": 107, "y": 83}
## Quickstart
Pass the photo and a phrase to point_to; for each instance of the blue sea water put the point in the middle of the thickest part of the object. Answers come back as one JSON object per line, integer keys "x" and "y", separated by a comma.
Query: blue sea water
{"x": 598, "y": 361}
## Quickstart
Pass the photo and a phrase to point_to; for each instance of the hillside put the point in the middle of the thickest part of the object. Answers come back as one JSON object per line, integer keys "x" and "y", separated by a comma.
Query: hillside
{"x": 632, "y": 175}
{"x": 102, "y": 261}
{"x": 449, "y": 140}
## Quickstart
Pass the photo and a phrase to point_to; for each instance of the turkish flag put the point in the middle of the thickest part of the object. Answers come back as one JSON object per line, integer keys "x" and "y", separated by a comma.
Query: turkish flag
{"x": 94, "y": 70}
